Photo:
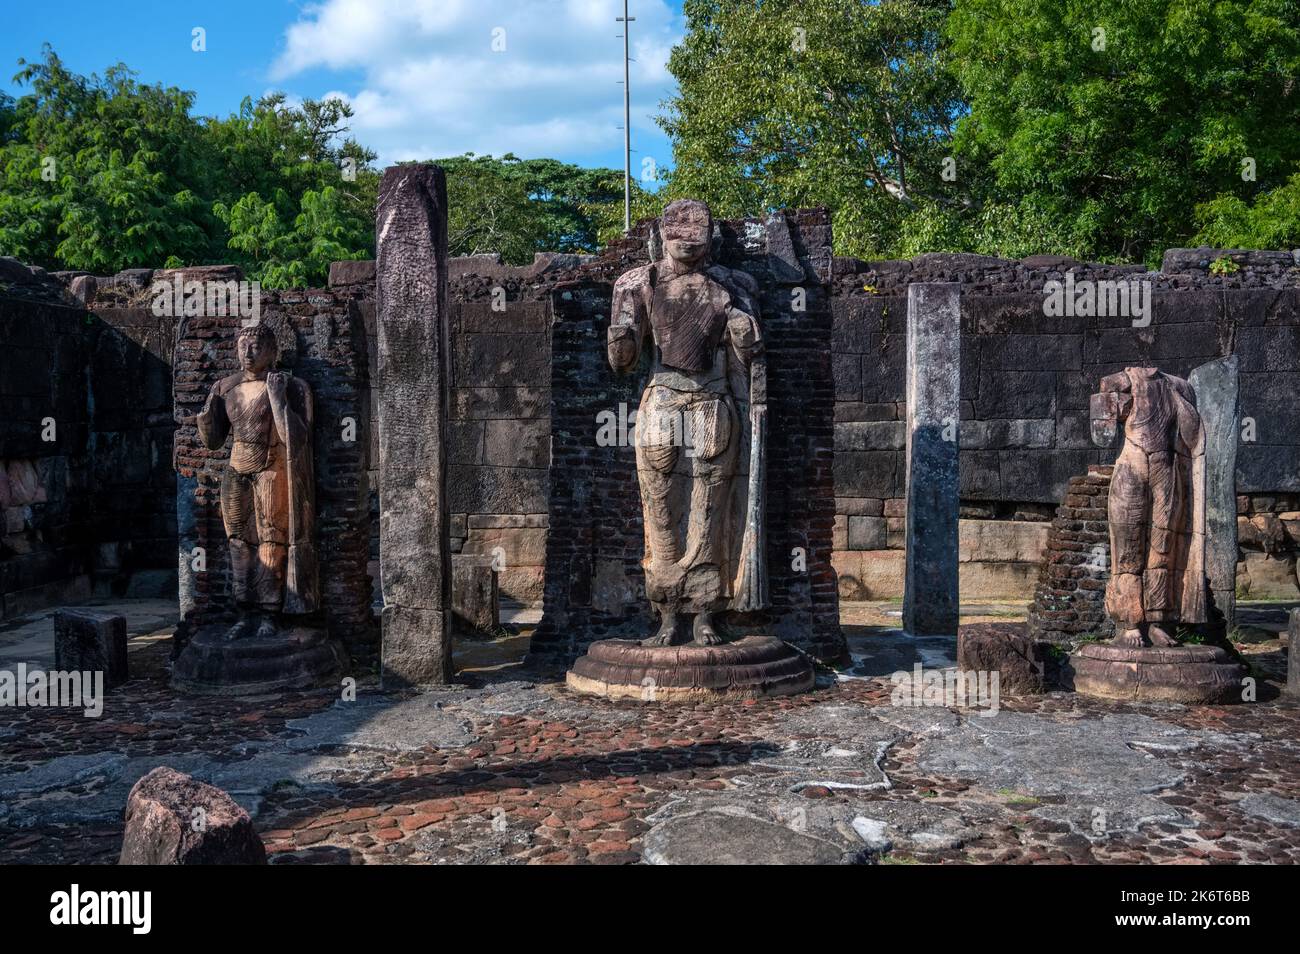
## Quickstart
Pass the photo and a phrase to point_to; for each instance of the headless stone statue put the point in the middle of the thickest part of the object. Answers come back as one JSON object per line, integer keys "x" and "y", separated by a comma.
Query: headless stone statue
{"x": 700, "y": 426}
{"x": 267, "y": 490}
{"x": 1157, "y": 505}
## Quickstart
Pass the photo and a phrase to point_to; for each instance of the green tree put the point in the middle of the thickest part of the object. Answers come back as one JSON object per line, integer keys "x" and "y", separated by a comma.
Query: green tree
{"x": 520, "y": 206}
{"x": 104, "y": 174}
{"x": 100, "y": 173}
{"x": 1272, "y": 220}
{"x": 1103, "y": 125}
{"x": 293, "y": 194}
{"x": 843, "y": 103}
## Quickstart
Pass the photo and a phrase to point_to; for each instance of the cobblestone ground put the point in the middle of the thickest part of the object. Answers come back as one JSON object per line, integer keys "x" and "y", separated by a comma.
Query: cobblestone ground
{"x": 511, "y": 767}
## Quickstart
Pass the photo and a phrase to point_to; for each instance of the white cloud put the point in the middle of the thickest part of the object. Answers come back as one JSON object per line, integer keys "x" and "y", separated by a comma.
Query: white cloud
{"x": 432, "y": 85}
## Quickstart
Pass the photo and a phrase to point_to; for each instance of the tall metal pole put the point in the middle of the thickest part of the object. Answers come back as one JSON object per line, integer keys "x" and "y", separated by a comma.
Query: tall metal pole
{"x": 627, "y": 125}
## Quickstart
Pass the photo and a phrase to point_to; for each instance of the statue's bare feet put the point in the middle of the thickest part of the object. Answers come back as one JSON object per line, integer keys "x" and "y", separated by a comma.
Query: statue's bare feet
{"x": 1159, "y": 637}
{"x": 267, "y": 628}
{"x": 242, "y": 629}
{"x": 667, "y": 631}
{"x": 705, "y": 632}
{"x": 1131, "y": 638}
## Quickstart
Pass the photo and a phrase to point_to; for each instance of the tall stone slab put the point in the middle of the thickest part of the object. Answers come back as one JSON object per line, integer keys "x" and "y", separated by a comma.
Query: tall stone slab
{"x": 1293, "y": 654}
{"x": 1215, "y": 385}
{"x": 930, "y": 596}
{"x": 414, "y": 396}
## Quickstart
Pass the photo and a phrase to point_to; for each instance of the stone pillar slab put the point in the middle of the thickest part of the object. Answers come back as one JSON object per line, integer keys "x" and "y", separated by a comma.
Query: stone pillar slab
{"x": 930, "y": 591}
{"x": 1215, "y": 385}
{"x": 1293, "y": 655}
{"x": 474, "y": 594}
{"x": 414, "y": 382}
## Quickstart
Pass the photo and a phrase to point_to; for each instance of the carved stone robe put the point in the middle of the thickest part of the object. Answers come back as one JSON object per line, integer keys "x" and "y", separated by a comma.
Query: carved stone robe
{"x": 700, "y": 433}
{"x": 267, "y": 491}
{"x": 1157, "y": 499}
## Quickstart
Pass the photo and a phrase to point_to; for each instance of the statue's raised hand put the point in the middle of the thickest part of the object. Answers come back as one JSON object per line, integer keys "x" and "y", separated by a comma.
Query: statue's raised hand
{"x": 276, "y": 384}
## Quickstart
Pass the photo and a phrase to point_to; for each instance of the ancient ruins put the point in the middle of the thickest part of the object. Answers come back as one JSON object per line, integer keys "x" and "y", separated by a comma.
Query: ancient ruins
{"x": 710, "y": 547}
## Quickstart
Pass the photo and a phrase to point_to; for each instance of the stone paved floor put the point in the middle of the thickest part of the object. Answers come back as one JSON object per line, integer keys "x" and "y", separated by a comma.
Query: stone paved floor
{"x": 510, "y": 767}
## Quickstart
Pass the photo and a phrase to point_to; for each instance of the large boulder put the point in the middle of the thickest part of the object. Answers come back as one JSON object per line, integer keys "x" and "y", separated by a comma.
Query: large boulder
{"x": 1020, "y": 661}
{"x": 172, "y": 819}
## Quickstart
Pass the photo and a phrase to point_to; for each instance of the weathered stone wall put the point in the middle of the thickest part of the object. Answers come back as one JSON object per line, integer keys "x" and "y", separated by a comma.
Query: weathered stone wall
{"x": 322, "y": 339}
{"x": 500, "y": 438}
{"x": 1026, "y": 378}
{"x": 131, "y": 427}
{"x": 594, "y": 581}
{"x": 91, "y": 510}
{"x": 46, "y": 554}
{"x": 1025, "y": 384}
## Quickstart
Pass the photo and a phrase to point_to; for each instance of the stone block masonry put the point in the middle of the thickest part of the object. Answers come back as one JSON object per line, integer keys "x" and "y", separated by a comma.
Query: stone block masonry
{"x": 1026, "y": 378}
{"x": 89, "y": 641}
{"x": 499, "y": 415}
{"x": 414, "y": 395}
{"x": 86, "y": 484}
{"x": 500, "y": 454}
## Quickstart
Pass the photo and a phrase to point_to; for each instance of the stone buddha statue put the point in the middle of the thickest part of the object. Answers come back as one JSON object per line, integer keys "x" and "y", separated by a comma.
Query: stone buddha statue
{"x": 268, "y": 487}
{"x": 700, "y": 428}
{"x": 1156, "y": 509}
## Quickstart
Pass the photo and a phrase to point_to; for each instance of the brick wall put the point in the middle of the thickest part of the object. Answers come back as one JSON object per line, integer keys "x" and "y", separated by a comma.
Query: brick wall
{"x": 323, "y": 340}
{"x": 90, "y": 512}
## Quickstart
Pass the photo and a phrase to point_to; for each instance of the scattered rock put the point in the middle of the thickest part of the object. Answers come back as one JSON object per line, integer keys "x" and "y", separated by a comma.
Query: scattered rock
{"x": 911, "y": 826}
{"x": 1018, "y": 659}
{"x": 172, "y": 819}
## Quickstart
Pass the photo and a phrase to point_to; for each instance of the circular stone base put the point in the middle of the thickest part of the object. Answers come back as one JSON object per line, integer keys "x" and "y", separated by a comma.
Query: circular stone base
{"x": 747, "y": 668}
{"x": 1192, "y": 674}
{"x": 301, "y": 657}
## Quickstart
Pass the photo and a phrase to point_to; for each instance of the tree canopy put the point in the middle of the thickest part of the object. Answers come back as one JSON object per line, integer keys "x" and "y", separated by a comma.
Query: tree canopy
{"x": 1124, "y": 124}
{"x": 520, "y": 206}
{"x": 1106, "y": 130}
{"x": 105, "y": 173}
{"x": 815, "y": 102}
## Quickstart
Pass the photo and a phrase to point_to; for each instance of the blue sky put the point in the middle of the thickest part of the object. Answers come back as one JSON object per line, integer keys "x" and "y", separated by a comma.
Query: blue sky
{"x": 422, "y": 74}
